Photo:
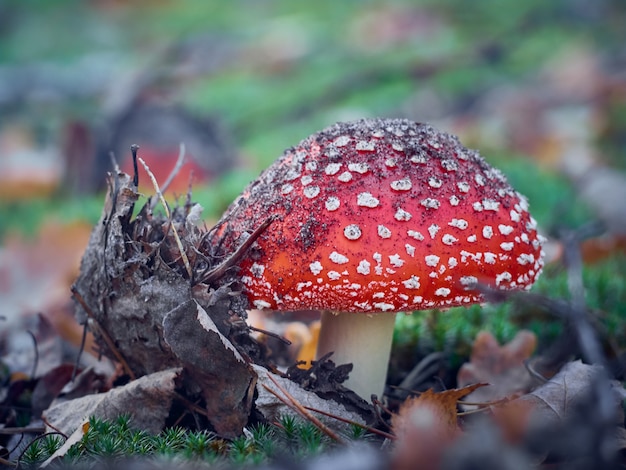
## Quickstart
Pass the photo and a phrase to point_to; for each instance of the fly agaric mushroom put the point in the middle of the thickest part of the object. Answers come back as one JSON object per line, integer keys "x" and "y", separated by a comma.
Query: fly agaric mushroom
{"x": 375, "y": 217}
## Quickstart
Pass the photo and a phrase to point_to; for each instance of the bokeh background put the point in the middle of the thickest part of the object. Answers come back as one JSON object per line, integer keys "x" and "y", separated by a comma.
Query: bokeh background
{"x": 539, "y": 87}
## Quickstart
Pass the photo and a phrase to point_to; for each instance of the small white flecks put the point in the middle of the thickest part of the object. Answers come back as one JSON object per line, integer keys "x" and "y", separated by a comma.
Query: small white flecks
{"x": 360, "y": 168}
{"x": 454, "y": 201}
{"x": 302, "y": 285}
{"x": 342, "y": 141}
{"x": 448, "y": 239}
{"x": 257, "y": 269}
{"x": 503, "y": 277}
{"x": 433, "y": 143}
{"x": 442, "y": 269}
{"x": 396, "y": 261}
{"x": 385, "y": 307}
{"x": 402, "y": 215}
{"x": 463, "y": 186}
{"x": 261, "y": 304}
{"x": 384, "y": 232}
{"x": 418, "y": 158}
{"x": 442, "y": 292}
{"x": 378, "y": 295}
{"x": 432, "y": 230}
{"x": 378, "y": 133}
{"x": 430, "y": 203}
{"x": 505, "y": 229}
{"x": 363, "y": 305}
{"x": 468, "y": 280}
{"x": 452, "y": 262}
{"x": 449, "y": 165}
{"x": 487, "y": 231}
{"x": 434, "y": 182}
{"x": 515, "y": 217}
{"x": 365, "y": 146}
{"x": 391, "y": 162}
{"x": 363, "y": 267}
{"x": 458, "y": 223}
{"x": 292, "y": 174}
{"x": 491, "y": 205}
{"x": 345, "y": 177}
{"x": 311, "y": 191}
{"x": 367, "y": 200}
{"x": 352, "y": 232}
{"x": 332, "y": 169}
{"x": 306, "y": 179}
{"x": 401, "y": 185}
{"x": 523, "y": 203}
{"x": 431, "y": 260}
{"x": 410, "y": 249}
{"x": 507, "y": 246}
{"x": 338, "y": 258}
{"x": 472, "y": 238}
{"x": 490, "y": 258}
{"x": 390, "y": 271}
{"x": 412, "y": 283}
{"x": 415, "y": 234}
{"x": 480, "y": 179}
{"x": 525, "y": 258}
{"x": 247, "y": 280}
{"x": 433, "y": 274}
{"x": 405, "y": 298}
{"x": 286, "y": 188}
{"x": 397, "y": 147}
{"x": 332, "y": 203}
{"x": 316, "y": 267}
{"x": 478, "y": 207}
{"x": 378, "y": 257}
{"x": 333, "y": 275}
{"x": 311, "y": 166}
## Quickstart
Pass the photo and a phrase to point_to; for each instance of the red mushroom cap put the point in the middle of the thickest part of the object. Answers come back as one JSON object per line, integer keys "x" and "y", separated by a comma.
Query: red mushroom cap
{"x": 381, "y": 215}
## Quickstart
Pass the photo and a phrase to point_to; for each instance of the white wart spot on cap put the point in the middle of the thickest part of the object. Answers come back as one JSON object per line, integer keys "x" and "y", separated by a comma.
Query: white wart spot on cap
{"x": 449, "y": 165}
{"x": 507, "y": 246}
{"x": 286, "y": 188}
{"x": 442, "y": 292}
{"x": 311, "y": 165}
{"x": 332, "y": 203}
{"x": 412, "y": 283}
{"x": 452, "y": 262}
{"x": 385, "y": 307}
{"x": 363, "y": 267}
{"x": 311, "y": 191}
{"x": 333, "y": 275}
{"x": 433, "y": 229}
{"x": 454, "y": 201}
{"x": 396, "y": 261}
{"x": 261, "y": 304}
{"x": 472, "y": 238}
{"x": 316, "y": 268}
{"x": 463, "y": 186}
{"x": 459, "y": 223}
{"x": 480, "y": 179}
{"x": 402, "y": 215}
{"x": 360, "y": 168}
{"x": 352, "y": 232}
{"x": 431, "y": 260}
{"x": 525, "y": 258}
{"x": 410, "y": 249}
{"x": 397, "y": 147}
{"x": 505, "y": 229}
{"x": 365, "y": 146}
{"x": 338, "y": 258}
{"x": 515, "y": 217}
{"x": 418, "y": 158}
{"x": 448, "y": 239}
{"x": 478, "y": 207}
{"x": 401, "y": 185}
{"x": 503, "y": 277}
{"x": 469, "y": 280}
{"x": 332, "y": 169}
{"x": 391, "y": 162}
{"x": 367, "y": 200}
{"x": 434, "y": 182}
{"x": 415, "y": 234}
{"x": 306, "y": 179}
{"x": 342, "y": 141}
{"x": 430, "y": 203}
{"x": 384, "y": 232}
{"x": 491, "y": 205}
{"x": 487, "y": 231}
{"x": 345, "y": 177}
{"x": 257, "y": 269}
{"x": 490, "y": 258}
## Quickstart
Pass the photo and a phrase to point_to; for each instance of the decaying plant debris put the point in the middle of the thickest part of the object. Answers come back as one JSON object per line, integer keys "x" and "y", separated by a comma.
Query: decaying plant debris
{"x": 152, "y": 306}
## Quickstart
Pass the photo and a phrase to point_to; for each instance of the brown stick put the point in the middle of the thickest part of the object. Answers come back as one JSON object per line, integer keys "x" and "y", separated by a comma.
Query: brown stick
{"x": 354, "y": 423}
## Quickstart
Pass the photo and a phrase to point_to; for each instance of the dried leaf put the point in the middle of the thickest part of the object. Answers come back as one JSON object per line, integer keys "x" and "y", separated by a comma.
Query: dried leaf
{"x": 272, "y": 407}
{"x": 74, "y": 438}
{"x": 147, "y": 400}
{"x": 502, "y": 367}
{"x": 226, "y": 379}
{"x": 425, "y": 426}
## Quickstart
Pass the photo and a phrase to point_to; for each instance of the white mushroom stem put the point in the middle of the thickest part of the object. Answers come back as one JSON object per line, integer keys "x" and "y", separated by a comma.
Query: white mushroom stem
{"x": 363, "y": 340}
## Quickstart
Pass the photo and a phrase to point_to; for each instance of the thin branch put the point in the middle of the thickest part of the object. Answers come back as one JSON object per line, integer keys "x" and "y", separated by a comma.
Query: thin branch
{"x": 169, "y": 216}
{"x": 384, "y": 434}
